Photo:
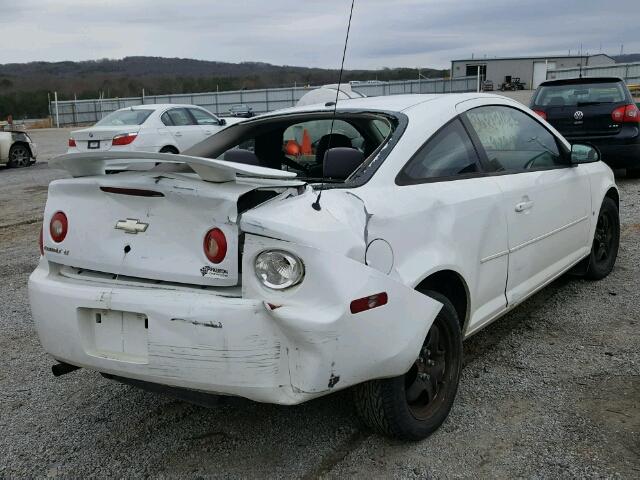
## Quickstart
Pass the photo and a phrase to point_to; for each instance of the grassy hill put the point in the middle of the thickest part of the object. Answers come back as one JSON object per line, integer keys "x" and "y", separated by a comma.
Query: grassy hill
{"x": 24, "y": 86}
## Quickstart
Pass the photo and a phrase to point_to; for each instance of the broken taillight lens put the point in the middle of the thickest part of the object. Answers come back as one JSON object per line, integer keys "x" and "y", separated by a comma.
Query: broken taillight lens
{"x": 58, "y": 227}
{"x": 215, "y": 245}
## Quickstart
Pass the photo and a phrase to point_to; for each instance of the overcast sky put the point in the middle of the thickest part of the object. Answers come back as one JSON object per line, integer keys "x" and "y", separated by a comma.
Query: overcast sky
{"x": 385, "y": 33}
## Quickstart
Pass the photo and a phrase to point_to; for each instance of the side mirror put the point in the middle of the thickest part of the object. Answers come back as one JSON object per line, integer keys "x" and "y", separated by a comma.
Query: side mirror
{"x": 583, "y": 153}
{"x": 222, "y": 122}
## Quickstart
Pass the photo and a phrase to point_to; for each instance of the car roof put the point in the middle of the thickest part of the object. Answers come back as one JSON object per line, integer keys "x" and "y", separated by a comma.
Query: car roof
{"x": 159, "y": 106}
{"x": 581, "y": 81}
{"x": 390, "y": 103}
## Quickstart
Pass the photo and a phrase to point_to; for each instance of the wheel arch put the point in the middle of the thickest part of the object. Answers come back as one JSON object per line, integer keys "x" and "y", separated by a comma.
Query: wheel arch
{"x": 170, "y": 147}
{"x": 23, "y": 143}
{"x": 614, "y": 195}
{"x": 452, "y": 285}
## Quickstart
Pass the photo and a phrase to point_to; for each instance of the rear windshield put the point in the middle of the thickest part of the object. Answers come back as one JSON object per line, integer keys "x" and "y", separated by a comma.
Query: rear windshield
{"x": 301, "y": 143}
{"x": 125, "y": 117}
{"x": 578, "y": 95}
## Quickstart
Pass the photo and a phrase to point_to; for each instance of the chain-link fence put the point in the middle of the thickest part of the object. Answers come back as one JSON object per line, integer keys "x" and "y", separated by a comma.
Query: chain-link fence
{"x": 75, "y": 112}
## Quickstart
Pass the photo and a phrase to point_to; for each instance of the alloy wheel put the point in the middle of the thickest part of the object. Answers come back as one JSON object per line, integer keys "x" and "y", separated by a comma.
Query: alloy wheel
{"x": 19, "y": 156}
{"x": 426, "y": 380}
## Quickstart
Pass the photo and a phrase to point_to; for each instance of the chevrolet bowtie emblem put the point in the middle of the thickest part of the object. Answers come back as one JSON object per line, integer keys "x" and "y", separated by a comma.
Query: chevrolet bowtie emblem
{"x": 131, "y": 225}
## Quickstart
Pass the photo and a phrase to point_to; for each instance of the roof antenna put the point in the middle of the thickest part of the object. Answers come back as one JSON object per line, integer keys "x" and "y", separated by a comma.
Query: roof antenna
{"x": 316, "y": 204}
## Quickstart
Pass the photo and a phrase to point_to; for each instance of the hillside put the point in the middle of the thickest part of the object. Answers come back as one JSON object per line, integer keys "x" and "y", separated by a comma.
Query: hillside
{"x": 24, "y": 86}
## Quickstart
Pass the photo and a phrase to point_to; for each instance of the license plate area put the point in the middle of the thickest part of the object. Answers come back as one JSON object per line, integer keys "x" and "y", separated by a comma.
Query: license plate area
{"x": 115, "y": 334}
{"x": 93, "y": 144}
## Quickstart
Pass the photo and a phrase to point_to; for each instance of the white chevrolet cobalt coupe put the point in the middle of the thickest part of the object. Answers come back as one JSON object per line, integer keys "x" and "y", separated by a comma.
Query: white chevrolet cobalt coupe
{"x": 298, "y": 253}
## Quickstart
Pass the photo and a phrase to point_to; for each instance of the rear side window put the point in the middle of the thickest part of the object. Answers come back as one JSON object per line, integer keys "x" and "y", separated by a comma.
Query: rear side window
{"x": 579, "y": 95}
{"x": 166, "y": 119}
{"x": 513, "y": 141}
{"x": 180, "y": 117}
{"x": 448, "y": 154}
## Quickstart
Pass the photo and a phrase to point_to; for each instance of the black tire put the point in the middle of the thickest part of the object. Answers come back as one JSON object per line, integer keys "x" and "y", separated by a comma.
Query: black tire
{"x": 384, "y": 406}
{"x": 633, "y": 172}
{"x": 606, "y": 241}
{"x": 168, "y": 150}
{"x": 19, "y": 156}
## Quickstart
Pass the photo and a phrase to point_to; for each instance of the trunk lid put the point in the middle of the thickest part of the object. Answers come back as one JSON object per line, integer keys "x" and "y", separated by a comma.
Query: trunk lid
{"x": 584, "y": 120}
{"x": 171, "y": 213}
{"x": 100, "y": 137}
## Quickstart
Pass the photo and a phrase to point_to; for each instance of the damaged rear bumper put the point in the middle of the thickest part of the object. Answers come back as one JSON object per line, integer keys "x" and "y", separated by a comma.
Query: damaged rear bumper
{"x": 283, "y": 348}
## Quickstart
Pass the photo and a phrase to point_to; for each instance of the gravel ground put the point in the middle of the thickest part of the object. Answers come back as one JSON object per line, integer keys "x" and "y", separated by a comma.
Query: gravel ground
{"x": 551, "y": 390}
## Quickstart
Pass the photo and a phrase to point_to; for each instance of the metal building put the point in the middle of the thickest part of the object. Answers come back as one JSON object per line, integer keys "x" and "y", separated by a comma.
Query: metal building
{"x": 530, "y": 70}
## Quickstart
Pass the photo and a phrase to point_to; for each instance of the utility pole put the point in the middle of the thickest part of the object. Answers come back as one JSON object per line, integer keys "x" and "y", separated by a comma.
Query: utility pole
{"x": 55, "y": 96}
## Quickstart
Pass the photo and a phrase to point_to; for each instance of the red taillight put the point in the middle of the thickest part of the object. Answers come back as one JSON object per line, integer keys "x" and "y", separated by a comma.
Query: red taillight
{"x": 124, "y": 139}
{"x": 41, "y": 240}
{"x": 58, "y": 227}
{"x": 626, "y": 113}
{"x": 367, "y": 303}
{"x": 540, "y": 113}
{"x": 215, "y": 245}
{"x": 72, "y": 142}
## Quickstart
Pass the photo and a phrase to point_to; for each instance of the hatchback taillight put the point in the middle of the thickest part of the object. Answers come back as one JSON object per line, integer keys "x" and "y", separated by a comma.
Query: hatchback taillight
{"x": 72, "y": 142}
{"x": 626, "y": 114}
{"x": 124, "y": 139}
{"x": 58, "y": 227}
{"x": 215, "y": 245}
{"x": 540, "y": 113}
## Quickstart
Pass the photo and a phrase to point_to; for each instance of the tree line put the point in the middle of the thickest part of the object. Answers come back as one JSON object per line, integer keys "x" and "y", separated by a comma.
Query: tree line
{"x": 25, "y": 88}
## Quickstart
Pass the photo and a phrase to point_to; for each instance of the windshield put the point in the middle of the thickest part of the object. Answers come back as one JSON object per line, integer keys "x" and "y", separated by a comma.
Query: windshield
{"x": 313, "y": 145}
{"x": 580, "y": 94}
{"x": 125, "y": 117}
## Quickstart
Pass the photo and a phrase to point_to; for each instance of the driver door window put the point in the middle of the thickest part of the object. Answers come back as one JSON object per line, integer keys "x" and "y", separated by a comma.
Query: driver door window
{"x": 513, "y": 141}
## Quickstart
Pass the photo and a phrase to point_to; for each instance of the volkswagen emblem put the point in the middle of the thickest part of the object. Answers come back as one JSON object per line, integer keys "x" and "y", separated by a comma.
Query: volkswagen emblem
{"x": 90, "y": 135}
{"x": 578, "y": 115}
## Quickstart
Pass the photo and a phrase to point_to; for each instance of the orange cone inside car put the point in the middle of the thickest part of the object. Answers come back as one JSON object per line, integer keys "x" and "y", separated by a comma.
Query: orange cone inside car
{"x": 306, "y": 143}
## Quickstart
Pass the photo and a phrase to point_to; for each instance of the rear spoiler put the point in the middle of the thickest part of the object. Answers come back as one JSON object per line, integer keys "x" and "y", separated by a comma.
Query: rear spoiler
{"x": 211, "y": 170}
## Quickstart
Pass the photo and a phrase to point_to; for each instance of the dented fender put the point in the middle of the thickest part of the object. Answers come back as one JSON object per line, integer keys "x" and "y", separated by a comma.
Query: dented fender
{"x": 328, "y": 346}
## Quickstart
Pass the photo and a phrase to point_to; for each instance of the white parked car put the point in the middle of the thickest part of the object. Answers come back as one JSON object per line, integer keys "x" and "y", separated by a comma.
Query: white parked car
{"x": 281, "y": 278}
{"x": 17, "y": 149}
{"x": 164, "y": 128}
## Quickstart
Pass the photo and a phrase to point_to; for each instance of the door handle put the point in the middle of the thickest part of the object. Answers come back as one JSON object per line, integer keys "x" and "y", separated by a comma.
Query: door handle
{"x": 178, "y": 134}
{"x": 208, "y": 132}
{"x": 523, "y": 206}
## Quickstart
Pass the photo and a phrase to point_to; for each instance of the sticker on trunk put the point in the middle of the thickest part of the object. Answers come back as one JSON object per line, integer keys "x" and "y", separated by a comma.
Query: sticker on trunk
{"x": 208, "y": 271}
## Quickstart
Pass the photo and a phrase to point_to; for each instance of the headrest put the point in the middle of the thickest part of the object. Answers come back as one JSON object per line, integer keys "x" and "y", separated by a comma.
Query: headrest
{"x": 242, "y": 156}
{"x": 341, "y": 162}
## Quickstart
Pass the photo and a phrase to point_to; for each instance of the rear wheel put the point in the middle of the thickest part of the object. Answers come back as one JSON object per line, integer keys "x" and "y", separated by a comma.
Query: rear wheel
{"x": 19, "y": 156}
{"x": 412, "y": 406}
{"x": 606, "y": 240}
